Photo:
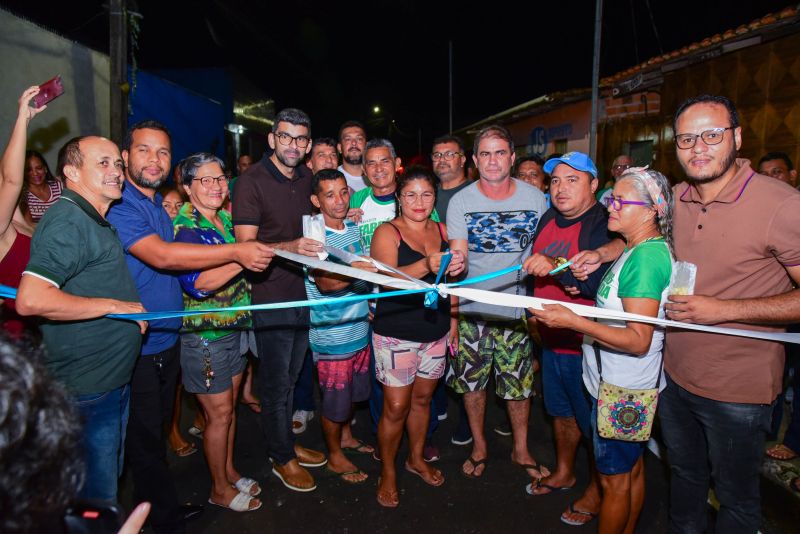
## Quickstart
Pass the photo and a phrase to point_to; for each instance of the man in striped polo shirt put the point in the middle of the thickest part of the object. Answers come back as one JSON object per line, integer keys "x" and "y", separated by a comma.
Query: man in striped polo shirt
{"x": 339, "y": 333}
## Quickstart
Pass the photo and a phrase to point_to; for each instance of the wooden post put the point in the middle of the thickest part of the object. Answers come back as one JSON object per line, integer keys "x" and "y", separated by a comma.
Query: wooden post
{"x": 118, "y": 52}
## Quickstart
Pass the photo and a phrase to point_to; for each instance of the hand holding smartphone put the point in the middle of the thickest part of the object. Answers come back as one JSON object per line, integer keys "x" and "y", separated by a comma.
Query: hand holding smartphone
{"x": 48, "y": 91}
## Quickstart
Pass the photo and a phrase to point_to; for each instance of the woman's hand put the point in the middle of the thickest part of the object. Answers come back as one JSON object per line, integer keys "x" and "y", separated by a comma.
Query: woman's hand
{"x": 434, "y": 261}
{"x": 25, "y": 110}
{"x": 555, "y": 316}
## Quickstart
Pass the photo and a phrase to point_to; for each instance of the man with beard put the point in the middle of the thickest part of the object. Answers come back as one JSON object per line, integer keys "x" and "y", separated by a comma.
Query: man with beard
{"x": 448, "y": 157}
{"x": 271, "y": 199}
{"x": 716, "y": 408}
{"x": 352, "y": 143}
{"x": 146, "y": 233}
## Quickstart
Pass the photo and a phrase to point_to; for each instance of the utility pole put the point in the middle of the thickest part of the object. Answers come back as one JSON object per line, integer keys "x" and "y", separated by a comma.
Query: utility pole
{"x": 598, "y": 28}
{"x": 450, "y": 69}
{"x": 118, "y": 52}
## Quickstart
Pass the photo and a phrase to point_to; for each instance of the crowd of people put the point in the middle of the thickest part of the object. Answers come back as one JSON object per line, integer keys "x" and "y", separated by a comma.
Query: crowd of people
{"x": 108, "y": 240}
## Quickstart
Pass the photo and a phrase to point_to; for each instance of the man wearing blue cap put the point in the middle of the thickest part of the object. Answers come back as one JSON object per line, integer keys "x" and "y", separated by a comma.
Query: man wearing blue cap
{"x": 576, "y": 222}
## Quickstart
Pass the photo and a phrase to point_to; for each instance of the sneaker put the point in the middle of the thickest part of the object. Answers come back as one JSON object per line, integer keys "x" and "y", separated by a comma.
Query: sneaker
{"x": 300, "y": 421}
{"x": 430, "y": 453}
{"x": 462, "y": 436}
{"x": 503, "y": 429}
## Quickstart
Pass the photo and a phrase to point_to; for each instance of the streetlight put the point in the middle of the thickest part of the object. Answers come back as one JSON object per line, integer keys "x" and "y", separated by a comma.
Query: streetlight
{"x": 376, "y": 109}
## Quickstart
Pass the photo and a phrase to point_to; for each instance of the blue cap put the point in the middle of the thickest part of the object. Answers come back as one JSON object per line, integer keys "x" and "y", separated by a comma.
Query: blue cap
{"x": 577, "y": 160}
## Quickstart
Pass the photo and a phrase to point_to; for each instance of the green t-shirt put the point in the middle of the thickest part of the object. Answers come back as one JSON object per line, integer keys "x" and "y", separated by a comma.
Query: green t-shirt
{"x": 78, "y": 251}
{"x": 192, "y": 227}
{"x": 376, "y": 212}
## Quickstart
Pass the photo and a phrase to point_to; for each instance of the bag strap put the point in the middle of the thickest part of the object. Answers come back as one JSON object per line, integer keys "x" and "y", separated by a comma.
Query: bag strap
{"x": 597, "y": 357}
{"x": 596, "y": 348}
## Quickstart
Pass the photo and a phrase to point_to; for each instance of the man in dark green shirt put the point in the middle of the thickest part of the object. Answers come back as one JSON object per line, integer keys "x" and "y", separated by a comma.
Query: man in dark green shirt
{"x": 77, "y": 275}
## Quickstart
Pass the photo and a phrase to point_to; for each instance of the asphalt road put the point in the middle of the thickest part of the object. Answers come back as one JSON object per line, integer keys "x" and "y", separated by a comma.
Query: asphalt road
{"x": 496, "y": 502}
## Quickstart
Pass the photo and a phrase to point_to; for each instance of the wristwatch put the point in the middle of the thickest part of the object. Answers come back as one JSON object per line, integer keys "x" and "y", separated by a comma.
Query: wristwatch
{"x": 558, "y": 262}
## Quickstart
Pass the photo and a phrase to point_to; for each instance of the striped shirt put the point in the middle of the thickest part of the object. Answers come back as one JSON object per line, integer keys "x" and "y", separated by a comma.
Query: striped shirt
{"x": 37, "y": 206}
{"x": 339, "y": 328}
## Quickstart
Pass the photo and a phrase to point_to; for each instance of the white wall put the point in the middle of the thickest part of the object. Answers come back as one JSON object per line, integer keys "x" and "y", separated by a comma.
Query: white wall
{"x": 31, "y": 55}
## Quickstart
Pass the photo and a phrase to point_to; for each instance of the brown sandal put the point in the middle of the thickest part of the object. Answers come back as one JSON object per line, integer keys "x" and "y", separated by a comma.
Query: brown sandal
{"x": 387, "y": 499}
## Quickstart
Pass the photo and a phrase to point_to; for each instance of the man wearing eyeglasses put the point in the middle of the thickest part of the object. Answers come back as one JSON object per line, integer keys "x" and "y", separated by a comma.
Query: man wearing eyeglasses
{"x": 717, "y": 405}
{"x": 621, "y": 163}
{"x": 271, "y": 199}
{"x": 153, "y": 259}
{"x": 448, "y": 160}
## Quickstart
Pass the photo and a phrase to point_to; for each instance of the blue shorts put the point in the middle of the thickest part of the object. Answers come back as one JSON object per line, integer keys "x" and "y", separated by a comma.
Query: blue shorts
{"x": 614, "y": 456}
{"x": 562, "y": 383}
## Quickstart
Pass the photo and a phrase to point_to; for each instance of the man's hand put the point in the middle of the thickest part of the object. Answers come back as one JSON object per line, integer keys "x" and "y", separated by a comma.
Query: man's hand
{"x": 572, "y": 291}
{"x": 253, "y": 255}
{"x": 697, "y": 309}
{"x": 355, "y": 214}
{"x": 365, "y": 266}
{"x": 584, "y": 263}
{"x": 457, "y": 263}
{"x": 303, "y": 245}
{"x": 121, "y": 306}
{"x": 555, "y": 316}
{"x": 538, "y": 265}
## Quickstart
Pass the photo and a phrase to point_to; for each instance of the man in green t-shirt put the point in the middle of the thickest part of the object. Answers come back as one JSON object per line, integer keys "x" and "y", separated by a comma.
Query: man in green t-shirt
{"x": 77, "y": 275}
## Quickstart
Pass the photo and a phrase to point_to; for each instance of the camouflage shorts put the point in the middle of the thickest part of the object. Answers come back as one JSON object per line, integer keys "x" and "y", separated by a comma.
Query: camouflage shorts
{"x": 506, "y": 346}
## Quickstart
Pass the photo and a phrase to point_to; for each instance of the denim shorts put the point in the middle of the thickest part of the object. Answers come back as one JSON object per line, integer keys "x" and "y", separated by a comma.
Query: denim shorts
{"x": 562, "y": 384}
{"x": 226, "y": 361}
{"x": 614, "y": 456}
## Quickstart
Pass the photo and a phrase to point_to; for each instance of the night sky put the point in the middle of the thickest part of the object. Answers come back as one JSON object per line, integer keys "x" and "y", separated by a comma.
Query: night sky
{"x": 337, "y": 60}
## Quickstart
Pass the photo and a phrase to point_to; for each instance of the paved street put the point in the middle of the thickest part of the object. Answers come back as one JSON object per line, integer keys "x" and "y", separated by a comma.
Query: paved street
{"x": 496, "y": 502}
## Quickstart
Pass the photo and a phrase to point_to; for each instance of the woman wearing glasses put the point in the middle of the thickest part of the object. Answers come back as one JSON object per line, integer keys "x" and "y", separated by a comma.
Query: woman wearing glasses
{"x": 212, "y": 359}
{"x": 410, "y": 341}
{"x": 640, "y": 209}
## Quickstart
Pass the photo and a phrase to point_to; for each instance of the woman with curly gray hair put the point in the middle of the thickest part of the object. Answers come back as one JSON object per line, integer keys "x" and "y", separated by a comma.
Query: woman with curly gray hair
{"x": 629, "y": 353}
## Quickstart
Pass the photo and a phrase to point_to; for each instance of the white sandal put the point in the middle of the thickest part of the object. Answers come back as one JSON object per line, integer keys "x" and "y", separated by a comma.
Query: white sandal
{"x": 244, "y": 485}
{"x": 240, "y": 503}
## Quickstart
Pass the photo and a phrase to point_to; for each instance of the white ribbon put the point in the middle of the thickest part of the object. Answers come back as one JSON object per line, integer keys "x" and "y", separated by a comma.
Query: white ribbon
{"x": 519, "y": 301}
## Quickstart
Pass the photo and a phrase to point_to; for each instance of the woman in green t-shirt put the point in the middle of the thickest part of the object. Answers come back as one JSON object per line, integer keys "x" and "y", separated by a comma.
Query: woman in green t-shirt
{"x": 640, "y": 209}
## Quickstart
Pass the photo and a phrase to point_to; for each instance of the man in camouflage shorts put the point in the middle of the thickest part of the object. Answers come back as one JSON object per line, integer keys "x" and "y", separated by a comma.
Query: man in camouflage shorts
{"x": 493, "y": 222}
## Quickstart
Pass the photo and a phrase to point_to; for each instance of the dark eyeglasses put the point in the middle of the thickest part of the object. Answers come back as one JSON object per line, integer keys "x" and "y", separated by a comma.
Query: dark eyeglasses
{"x": 286, "y": 139}
{"x": 207, "y": 181}
{"x": 713, "y": 136}
{"x": 617, "y": 203}
{"x": 448, "y": 156}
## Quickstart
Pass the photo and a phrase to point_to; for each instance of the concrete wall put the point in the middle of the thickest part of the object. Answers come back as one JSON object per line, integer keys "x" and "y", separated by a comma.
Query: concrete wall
{"x": 32, "y": 55}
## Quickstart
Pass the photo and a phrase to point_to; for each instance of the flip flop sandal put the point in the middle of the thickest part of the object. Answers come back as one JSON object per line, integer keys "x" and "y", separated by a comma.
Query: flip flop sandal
{"x": 534, "y": 465}
{"x": 530, "y": 489}
{"x": 359, "y": 449}
{"x": 781, "y": 452}
{"x": 186, "y": 450}
{"x": 348, "y": 473}
{"x": 240, "y": 503}
{"x": 196, "y": 432}
{"x": 475, "y": 464}
{"x": 422, "y": 476}
{"x": 244, "y": 485}
{"x": 588, "y": 515}
{"x": 387, "y": 499}
{"x": 290, "y": 486}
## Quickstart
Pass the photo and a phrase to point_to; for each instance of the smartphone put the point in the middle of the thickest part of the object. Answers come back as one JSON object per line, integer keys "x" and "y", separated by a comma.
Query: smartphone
{"x": 49, "y": 91}
{"x": 93, "y": 517}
